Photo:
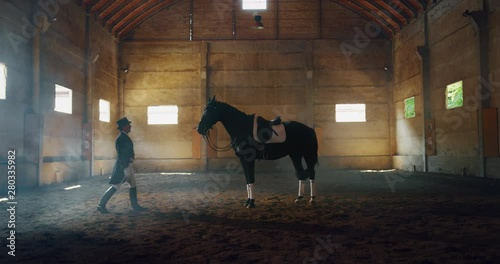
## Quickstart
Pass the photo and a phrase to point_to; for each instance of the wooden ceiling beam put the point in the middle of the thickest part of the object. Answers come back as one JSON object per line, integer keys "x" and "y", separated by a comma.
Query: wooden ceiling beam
{"x": 377, "y": 10}
{"x": 400, "y": 8}
{"x": 399, "y": 17}
{"x": 121, "y": 17}
{"x": 125, "y": 31}
{"x": 98, "y": 6}
{"x": 110, "y": 10}
{"x": 143, "y": 7}
{"x": 388, "y": 32}
{"x": 412, "y": 8}
{"x": 416, "y": 4}
{"x": 118, "y": 16}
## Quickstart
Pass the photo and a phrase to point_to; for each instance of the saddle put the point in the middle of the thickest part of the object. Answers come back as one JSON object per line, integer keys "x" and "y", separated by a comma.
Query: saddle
{"x": 268, "y": 131}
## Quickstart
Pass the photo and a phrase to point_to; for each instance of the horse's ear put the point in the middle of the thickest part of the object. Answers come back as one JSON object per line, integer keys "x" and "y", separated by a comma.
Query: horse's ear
{"x": 213, "y": 98}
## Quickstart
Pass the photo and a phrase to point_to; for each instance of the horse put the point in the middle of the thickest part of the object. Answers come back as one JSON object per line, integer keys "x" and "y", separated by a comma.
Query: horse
{"x": 255, "y": 138}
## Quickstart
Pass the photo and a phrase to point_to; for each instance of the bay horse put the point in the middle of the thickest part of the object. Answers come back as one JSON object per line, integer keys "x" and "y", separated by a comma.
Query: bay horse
{"x": 253, "y": 137}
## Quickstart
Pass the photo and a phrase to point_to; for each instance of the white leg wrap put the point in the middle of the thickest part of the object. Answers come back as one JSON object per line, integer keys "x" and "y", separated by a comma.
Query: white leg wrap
{"x": 301, "y": 188}
{"x": 313, "y": 188}
{"x": 250, "y": 191}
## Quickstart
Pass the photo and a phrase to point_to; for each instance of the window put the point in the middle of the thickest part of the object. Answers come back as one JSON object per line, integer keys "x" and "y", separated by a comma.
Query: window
{"x": 3, "y": 81}
{"x": 162, "y": 115}
{"x": 104, "y": 110}
{"x": 254, "y": 4}
{"x": 410, "y": 107}
{"x": 64, "y": 100}
{"x": 350, "y": 113}
{"x": 454, "y": 95}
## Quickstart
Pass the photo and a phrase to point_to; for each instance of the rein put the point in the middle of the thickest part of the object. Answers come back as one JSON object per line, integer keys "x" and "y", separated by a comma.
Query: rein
{"x": 216, "y": 148}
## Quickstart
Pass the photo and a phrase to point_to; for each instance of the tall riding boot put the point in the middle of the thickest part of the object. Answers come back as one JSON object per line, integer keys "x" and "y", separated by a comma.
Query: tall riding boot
{"x": 101, "y": 207}
{"x": 133, "y": 200}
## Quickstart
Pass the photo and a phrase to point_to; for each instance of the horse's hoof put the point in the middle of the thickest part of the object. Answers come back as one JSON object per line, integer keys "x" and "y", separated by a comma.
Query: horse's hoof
{"x": 312, "y": 200}
{"x": 247, "y": 202}
{"x": 251, "y": 203}
{"x": 298, "y": 199}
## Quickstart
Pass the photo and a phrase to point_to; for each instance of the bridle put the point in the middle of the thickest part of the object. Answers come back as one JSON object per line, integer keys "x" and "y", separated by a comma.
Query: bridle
{"x": 216, "y": 148}
{"x": 206, "y": 136}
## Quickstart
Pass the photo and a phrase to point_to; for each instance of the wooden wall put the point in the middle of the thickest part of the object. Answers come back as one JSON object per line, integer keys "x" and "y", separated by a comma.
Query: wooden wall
{"x": 493, "y": 163}
{"x": 356, "y": 79}
{"x": 62, "y": 50}
{"x": 16, "y": 54}
{"x": 407, "y": 81}
{"x": 106, "y": 84}
{"x": 67, "y": 61}
{"x": 163, "y": 74}
{"x": 454, "y": 56}
{"x": 213, "y": 20}
{"x": 50, "y": 143}
{"x": 299, "y": 66}
{"x": 299, "y": 80}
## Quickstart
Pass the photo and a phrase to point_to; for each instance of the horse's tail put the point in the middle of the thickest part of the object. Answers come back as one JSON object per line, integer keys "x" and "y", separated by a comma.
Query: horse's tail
{"x": 313, "y": 152}
{"x": 315, "y": 148}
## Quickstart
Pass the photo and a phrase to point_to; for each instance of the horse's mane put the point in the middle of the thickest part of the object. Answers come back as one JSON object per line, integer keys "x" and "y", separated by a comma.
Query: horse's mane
{"x": 229, "y": 108}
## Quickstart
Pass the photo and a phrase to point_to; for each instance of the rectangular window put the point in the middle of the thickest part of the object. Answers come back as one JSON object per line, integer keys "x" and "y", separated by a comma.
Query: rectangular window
{"x": 454, "y": 95}
{"x": 350, "y": 113}
{"x": 254, "y": 4}
{"x": 63, "y": 100}
{"x": 3, "y": 81}
{"x": 163, "y": 115}
{"x": 410, "y": 107}
{"x": 104, "y": 110}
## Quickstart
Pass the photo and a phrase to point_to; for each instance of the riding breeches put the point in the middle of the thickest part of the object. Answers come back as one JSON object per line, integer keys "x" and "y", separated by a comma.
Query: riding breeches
{"x": 129, "y": 178}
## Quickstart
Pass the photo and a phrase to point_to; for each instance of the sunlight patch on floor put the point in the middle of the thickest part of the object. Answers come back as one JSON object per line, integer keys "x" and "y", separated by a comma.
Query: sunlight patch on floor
{"x": 72, "y": 187}
{"x": 177, "y": 173}
{"x": 378, "y": 170}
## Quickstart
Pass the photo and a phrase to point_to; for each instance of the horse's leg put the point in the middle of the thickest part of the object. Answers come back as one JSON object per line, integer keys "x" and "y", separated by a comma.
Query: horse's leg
{"x": 249, "y": 168}
{"x": 300, "y": 174}
{"x": 311, "y": 173}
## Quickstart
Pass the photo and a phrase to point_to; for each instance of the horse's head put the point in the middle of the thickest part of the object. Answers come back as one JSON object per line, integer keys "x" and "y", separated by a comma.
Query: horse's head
{"x": 209, "y": 118}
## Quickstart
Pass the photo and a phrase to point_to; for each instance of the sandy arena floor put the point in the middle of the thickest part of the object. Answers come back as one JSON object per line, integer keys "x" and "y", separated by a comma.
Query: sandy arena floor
{"x": 200, "y": 218}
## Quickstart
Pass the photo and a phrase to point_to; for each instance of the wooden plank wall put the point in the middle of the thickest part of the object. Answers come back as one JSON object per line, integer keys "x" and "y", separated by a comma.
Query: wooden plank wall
{"x": 454, "y": 56}
{"x": 268, "y": 78}
{"x": 408, "y": 133}
{"x": 454, "y": 53}
{"x": 493, "y": 164}
{"x": 296, "y": 78}
{"x": 16, "y": 54}
{"x": 107, "y": 79}
{"x": 63, "y": 63}
{"x": 225, "y": 20}
{"x": 163, "y": 73}
{"x": 356, "y": 79}
{"x": 40, "y": 133}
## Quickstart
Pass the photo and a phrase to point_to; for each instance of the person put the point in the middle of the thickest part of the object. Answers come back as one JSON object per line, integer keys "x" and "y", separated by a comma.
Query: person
{"x": 122, "y": 170}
